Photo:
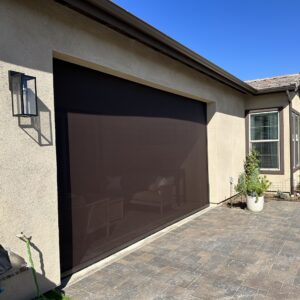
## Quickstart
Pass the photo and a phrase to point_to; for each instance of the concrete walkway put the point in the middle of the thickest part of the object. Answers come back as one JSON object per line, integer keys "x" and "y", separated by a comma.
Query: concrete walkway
{"x": 223, "y": 254}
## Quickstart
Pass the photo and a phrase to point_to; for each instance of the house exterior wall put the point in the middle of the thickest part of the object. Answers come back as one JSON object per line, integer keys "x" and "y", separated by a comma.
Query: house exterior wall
{"x": 296, "y": 107}
{"x": 37, "y": 31}
{"x": 279, "y": 181}
{"x": 295, "y": 101}
{"x": 296, "y": 180}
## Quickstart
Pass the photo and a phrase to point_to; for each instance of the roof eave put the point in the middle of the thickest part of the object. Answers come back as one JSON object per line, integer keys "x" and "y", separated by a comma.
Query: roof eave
{"x": 122, "y": 21}
{"x": 291, "y": 87}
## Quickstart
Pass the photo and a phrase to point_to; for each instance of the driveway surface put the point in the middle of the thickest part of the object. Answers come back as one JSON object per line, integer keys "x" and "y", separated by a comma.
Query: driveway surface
{"x": 226, "y": 253}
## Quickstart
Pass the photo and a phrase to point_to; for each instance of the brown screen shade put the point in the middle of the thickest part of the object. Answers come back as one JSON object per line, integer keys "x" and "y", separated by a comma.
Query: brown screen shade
{"x": 131, "y": 159}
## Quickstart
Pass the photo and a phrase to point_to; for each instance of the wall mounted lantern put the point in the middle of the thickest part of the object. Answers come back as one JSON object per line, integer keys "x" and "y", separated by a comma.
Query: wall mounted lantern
{"x": 23, "y": 94}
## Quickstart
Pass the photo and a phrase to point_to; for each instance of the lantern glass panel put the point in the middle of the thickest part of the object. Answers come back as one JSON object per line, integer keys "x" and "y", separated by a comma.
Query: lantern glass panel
{"x": 16, "y": 82}
{"x": 29, "y": 96}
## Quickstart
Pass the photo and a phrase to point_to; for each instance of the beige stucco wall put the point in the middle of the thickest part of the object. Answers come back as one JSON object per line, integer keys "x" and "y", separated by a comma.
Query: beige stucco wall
{"x": 35, "y": 32}
{"x": 296, "y": 180}
{"x": 296, "y": 106}
{"x": 279, "y": 182}
{"x": 295, "y": 101}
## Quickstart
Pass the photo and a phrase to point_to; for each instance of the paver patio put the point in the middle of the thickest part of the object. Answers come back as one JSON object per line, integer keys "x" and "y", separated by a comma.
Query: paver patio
{"x": 222, "y": 254}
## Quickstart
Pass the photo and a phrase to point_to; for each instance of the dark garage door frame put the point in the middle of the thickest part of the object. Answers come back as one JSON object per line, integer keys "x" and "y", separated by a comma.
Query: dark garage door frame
{"x": 89, "y": 105}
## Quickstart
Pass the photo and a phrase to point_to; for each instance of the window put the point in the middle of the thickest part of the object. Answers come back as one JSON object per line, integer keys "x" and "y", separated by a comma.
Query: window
{"x": 264, "y": 138}
{"x": 295, "y": 139}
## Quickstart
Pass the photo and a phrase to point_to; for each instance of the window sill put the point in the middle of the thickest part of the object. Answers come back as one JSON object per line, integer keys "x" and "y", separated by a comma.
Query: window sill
{"x": 271, "y": 172}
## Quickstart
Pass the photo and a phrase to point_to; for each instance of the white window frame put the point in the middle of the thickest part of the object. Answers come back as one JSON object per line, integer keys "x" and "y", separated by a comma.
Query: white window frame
{"x": 264, "y": 141}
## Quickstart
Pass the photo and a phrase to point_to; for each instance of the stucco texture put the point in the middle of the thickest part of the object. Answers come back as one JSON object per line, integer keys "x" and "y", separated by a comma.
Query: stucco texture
{"x": 296, "y": 106}
{"x": 295, "y": 101}
{"x": 37, "y": 31}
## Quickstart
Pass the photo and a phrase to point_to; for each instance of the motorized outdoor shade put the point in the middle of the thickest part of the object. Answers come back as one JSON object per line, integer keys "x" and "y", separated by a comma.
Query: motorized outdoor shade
{"x": 131, "y": 159}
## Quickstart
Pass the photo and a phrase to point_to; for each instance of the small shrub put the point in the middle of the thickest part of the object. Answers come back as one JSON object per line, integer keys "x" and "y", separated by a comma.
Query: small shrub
{"x": 250, "y": 182}
{"x": 281, "y": 195}
{"x": 251, "y": 165}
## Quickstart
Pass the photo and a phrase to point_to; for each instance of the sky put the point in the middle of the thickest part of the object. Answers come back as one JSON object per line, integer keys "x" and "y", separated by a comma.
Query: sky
{"x": 248, "y": 38}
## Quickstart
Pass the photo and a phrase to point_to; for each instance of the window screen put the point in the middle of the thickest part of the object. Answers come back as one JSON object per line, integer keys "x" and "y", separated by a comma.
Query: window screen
{"x": 264, "y": 138}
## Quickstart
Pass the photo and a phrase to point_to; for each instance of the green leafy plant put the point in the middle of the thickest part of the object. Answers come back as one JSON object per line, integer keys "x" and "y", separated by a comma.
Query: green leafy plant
{"x": 263, "y": 186}
{"x": 250, "y": 182}
{"x": 241, "y": 186}
{"x": 251, "y": 164}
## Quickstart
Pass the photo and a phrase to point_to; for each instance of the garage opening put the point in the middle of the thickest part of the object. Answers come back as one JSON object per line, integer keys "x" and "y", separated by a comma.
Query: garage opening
{"x": 131, "y": 159}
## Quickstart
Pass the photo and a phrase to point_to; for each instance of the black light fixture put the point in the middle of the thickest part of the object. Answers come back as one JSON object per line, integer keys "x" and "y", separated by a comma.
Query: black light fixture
{"x": 23, "y": 94}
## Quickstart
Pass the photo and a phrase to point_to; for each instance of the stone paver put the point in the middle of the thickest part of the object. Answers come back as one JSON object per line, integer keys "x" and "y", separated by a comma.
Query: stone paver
{"x": 223, "y": 254}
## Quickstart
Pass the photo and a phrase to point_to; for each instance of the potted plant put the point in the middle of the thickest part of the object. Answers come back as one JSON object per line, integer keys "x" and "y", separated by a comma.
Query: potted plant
{"x": 251, "y": 184}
